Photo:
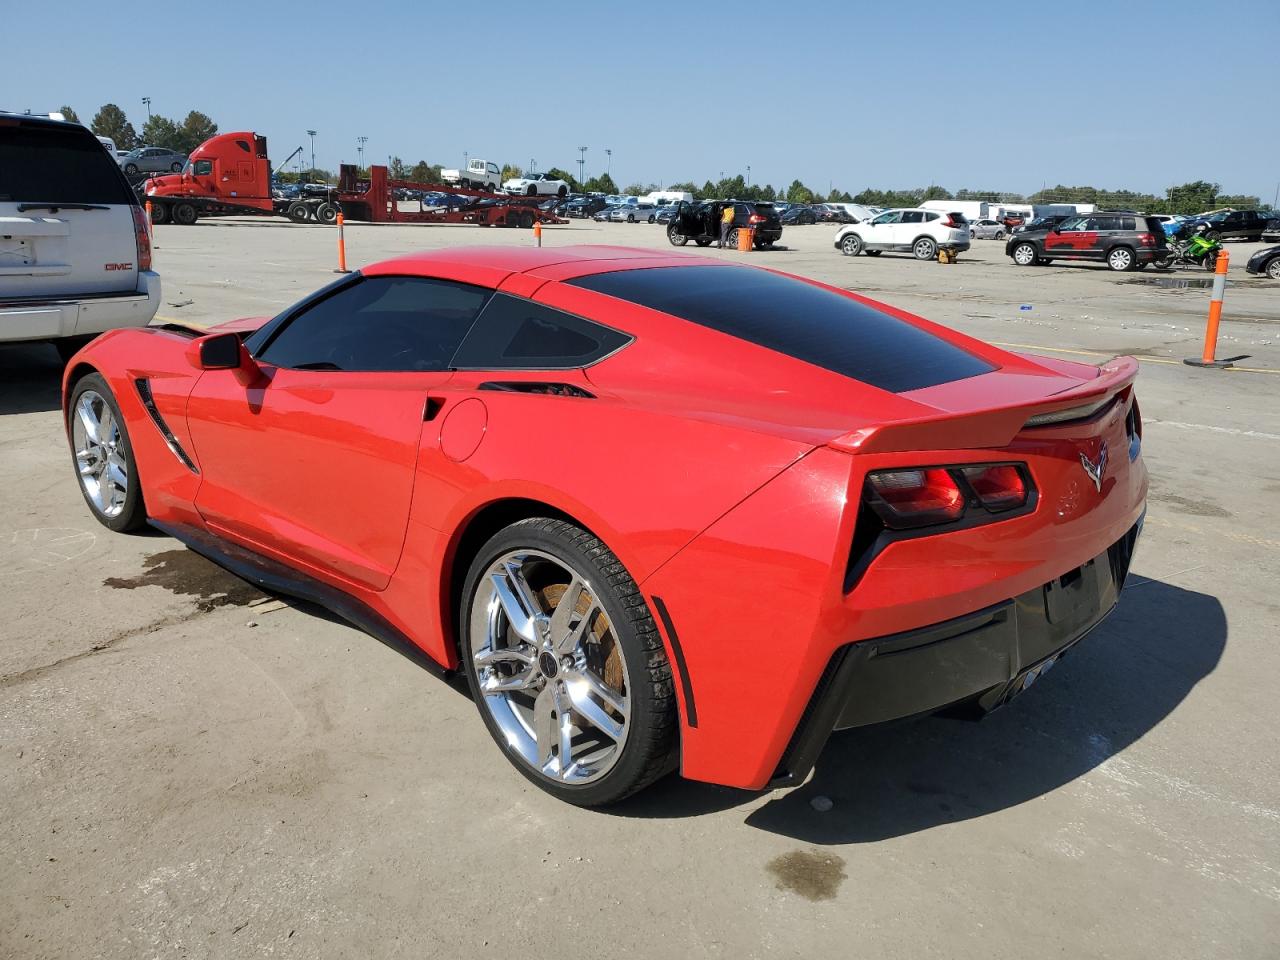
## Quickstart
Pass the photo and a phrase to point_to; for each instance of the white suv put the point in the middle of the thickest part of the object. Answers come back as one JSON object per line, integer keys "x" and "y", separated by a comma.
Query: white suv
{"x": 75, "y": 247}
{"x": 921, "y": 232}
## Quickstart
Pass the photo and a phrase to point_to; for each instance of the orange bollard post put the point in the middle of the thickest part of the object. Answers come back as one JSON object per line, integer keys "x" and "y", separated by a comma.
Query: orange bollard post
{"x": 537, "y": 231}
{"x": 150, "y": 222}
{"x": 1215, "y": 317}
{"x": 342, "y": 248}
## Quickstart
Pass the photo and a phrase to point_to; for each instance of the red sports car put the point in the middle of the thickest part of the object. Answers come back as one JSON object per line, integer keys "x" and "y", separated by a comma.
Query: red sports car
{"x": 664, "y": 512}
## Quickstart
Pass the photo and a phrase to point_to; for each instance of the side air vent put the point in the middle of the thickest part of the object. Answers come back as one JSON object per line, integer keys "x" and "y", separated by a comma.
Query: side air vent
{"x": 537, "y": 386}
{"x": 148, "y": 401}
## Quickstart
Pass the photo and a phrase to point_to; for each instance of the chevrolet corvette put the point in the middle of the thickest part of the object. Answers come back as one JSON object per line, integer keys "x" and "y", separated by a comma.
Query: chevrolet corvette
{"x": 662, "y": 512}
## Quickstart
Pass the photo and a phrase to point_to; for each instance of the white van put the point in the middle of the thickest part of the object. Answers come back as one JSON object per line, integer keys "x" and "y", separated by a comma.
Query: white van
{"x": 76, "y": 260}
{"x": 661, "y": 198}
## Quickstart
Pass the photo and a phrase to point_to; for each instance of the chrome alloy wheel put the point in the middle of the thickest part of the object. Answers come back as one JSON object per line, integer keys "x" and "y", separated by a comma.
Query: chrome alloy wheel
{"x": 549, "y": 666}
{"x": 100, "y": 459}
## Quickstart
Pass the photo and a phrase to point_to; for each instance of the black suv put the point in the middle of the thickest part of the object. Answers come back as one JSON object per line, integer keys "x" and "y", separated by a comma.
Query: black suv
{"x": 1122, "y": 239}
{"x": 584, "y": 206}
{"x": 699, "y": 221}
{"x": 1232, "y": 225}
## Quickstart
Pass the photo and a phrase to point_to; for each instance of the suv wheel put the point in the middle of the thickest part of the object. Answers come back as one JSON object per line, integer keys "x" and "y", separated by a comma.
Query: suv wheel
{"x": 1024, "y": 254}
{"x": 1120, "y": 258}
{"x": 851, "y": 245}
{"x": 926, "y": 248}
{"x": 676, "y": 238}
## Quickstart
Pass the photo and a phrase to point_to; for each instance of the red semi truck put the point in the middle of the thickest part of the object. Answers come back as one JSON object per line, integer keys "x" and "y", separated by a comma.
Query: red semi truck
{"x": 230, "y": 175}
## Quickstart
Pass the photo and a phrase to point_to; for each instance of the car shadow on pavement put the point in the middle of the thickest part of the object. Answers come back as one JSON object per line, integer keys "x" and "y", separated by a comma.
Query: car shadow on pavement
{"x": 898, "y": 779}
{"x": 1121, "y": 681}
{"x": 30, "y": 378}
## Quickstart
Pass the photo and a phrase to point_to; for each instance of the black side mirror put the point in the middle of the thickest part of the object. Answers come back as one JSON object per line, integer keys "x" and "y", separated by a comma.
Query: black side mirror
{"x": 220, "y": 352}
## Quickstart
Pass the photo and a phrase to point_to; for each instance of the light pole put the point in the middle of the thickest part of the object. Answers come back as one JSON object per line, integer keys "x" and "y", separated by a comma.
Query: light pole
{"x": 533, "y": 166}
{"x": 147, "y": 101}
{"x": 360, "y": 150}
{"x": 608, "y": 162}
{"x": 582, "y": 167}
{"x": 312, "y": 135}
{"x": 748, "y": 174}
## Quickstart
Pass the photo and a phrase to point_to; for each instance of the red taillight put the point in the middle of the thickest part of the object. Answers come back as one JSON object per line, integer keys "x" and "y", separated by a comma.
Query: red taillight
{"x": 921, "y": 497}
{"x": 755, "y": 218}
{"x": 142, "y": 238}
{"x": 949, "y": 222}
{"x": 997, "y": 487}
{"x": 915, "y": 498}
{"x": 1146, "y": 240}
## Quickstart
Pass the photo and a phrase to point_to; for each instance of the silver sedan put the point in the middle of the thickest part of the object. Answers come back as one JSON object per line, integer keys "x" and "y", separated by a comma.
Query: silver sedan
{"x": 987, "y": 230}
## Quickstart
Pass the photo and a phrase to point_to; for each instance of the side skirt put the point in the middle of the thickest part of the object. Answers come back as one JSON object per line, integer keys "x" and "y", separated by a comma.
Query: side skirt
{"x": 275, "y": 577}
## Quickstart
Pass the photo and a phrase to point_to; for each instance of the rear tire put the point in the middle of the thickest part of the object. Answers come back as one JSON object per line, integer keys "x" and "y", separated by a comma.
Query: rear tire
{"x": 620, "y": 653}
{"x": 175, "y": 167}
{"x": 327, "y": 214}
{"x": 925, "y": 248}
{"x": 1024, "y": 255}
{"x": 298, "y": 212}
{"x": 563, "y": 192}
{"x": 131, "y": 168}
{"x": 851, "y": 245}
{"x": 114, "y": 453}
{"x": 184, "y": 214}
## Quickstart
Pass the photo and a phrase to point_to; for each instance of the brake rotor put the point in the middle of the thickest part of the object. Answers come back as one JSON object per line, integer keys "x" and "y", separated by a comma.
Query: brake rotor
{"x": 603, "y": 653}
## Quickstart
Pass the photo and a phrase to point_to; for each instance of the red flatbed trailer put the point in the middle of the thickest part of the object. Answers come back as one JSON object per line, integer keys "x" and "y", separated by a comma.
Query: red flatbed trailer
{"x": 374, "y": 201}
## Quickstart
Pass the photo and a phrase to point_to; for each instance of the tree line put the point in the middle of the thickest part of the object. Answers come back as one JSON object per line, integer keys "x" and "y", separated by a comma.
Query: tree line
{"x": 1195, "y": 197}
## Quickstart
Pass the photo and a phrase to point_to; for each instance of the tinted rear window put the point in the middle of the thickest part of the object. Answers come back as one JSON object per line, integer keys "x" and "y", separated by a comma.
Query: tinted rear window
{"x": 798, "y": 319}
{"x": 45, "y": 163}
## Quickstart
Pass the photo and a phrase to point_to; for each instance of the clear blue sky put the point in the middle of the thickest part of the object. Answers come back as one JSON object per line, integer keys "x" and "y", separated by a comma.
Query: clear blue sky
{"x": 992, "y": 96}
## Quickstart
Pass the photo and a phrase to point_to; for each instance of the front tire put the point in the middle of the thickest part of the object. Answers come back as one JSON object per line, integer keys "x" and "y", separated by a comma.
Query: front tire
{"x": 131, "y": 168}
{"x": 1273, "y": 269}
{"x": 676, "y": 238}
{"x": 851, "y": 245}
{"x": 531, "y": 191}
{"x": 566, "y": 664}
{"x": 103, "y": 456}
{"x": 1024, "y": 254}
{"x": 159, "y": 213}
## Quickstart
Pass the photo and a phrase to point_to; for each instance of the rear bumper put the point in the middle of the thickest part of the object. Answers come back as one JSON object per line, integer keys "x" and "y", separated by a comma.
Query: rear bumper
{"x": 981, "y": 660}
{"x": 56, "y": 317}
{"x": 958, "y": 246}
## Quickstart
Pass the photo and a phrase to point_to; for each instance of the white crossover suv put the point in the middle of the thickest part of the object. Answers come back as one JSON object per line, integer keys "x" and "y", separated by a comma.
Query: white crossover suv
{"x": 75, "y": 246}
{"x": 910, "y": 230}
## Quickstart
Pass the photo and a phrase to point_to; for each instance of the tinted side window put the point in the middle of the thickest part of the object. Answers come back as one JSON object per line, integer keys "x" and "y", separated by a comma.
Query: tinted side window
{"x": 202, "y": 167}
{"x": 913, "y": 216}
{"x": 1127, "y": 223}
{"x": 518, "y": 334}
{"x": 797, "y": 319}
{"x": 46, "y": 163}
{"x": 380, "y": 323}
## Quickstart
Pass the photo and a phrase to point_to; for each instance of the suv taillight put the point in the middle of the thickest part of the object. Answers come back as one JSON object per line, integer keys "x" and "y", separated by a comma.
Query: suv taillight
{"x": 950, "y": 221}
{"x": 1146, "y": 240}
{"x": 141, "y": 238}
{"x": 755, "y": 218}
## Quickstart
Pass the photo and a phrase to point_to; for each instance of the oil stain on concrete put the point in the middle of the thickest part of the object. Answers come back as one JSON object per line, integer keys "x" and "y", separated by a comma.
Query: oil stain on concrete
{"x": 812, "y": 874}
{"x": 190, "y": 575}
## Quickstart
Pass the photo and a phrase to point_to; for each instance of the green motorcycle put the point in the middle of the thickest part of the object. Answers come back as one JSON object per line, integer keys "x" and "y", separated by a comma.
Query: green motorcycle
{"x": 1197, "y": 250}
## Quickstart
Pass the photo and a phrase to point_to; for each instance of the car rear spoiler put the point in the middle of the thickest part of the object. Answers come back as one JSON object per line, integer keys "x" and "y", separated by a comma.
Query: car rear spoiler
{"x": 995, "y": 427}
